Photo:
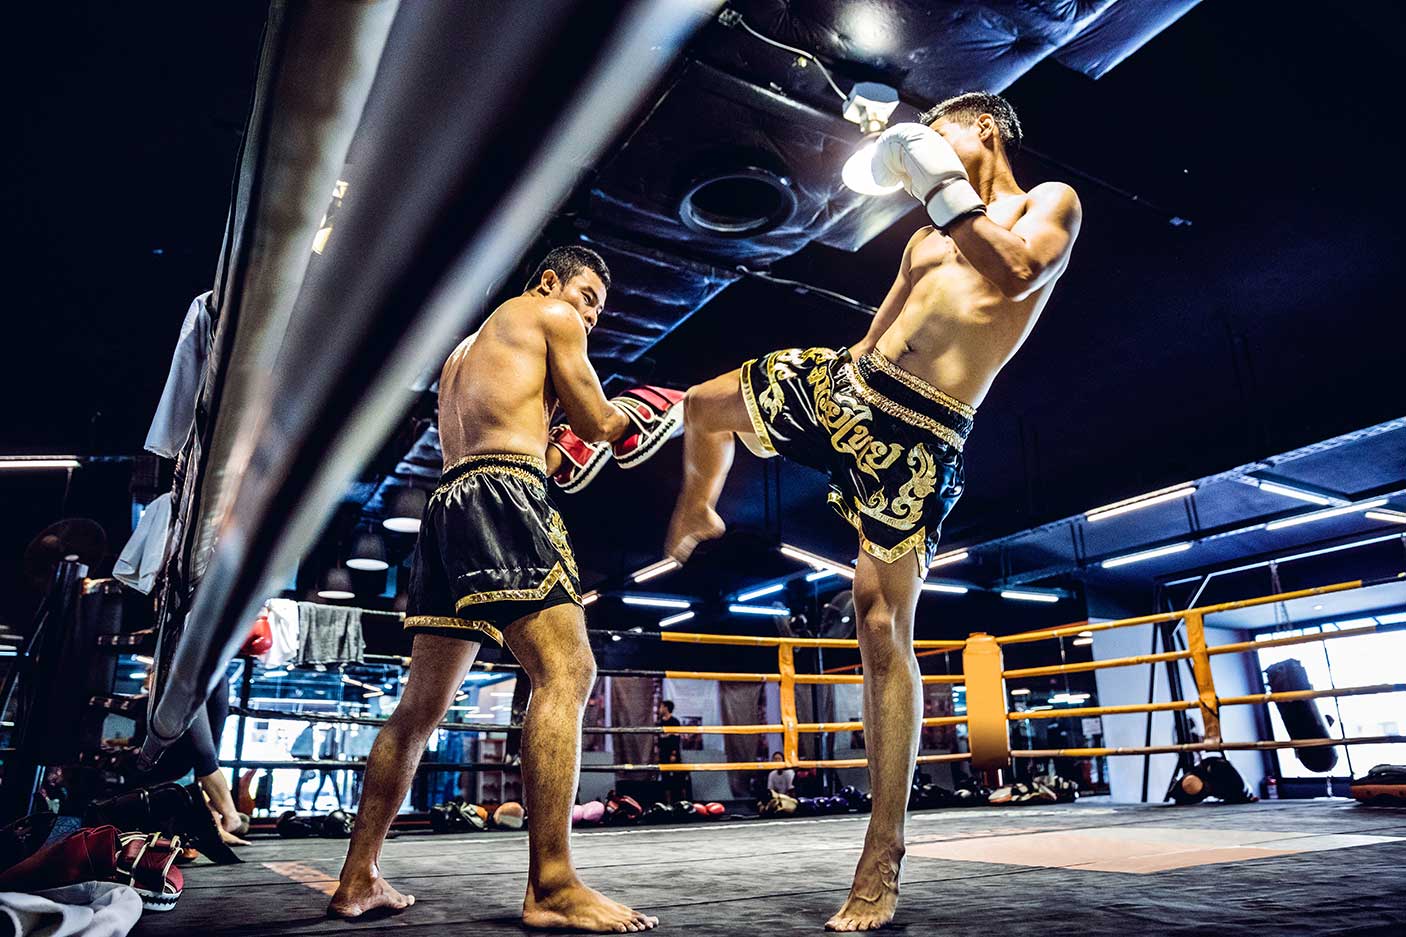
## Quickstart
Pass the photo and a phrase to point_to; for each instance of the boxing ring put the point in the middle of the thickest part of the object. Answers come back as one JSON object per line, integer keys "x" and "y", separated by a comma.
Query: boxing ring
{"x": 969, "y": 870}
{"x": 989, "y": 715}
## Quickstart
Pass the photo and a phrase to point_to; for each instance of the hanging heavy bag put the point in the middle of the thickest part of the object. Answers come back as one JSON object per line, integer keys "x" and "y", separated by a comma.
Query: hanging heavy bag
{"x": 1302, "y": 718}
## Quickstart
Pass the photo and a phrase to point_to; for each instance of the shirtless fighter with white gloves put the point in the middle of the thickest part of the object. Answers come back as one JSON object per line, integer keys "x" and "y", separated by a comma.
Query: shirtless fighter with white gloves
{"x": 887, "y": 418}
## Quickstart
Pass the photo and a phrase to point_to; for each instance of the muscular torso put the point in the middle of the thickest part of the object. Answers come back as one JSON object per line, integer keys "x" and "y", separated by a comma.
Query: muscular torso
{"x": 495, "y": 394}
{"x": 956, "y": 330}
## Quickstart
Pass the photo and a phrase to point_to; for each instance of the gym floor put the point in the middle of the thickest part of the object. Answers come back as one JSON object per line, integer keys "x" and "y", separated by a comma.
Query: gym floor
{"x": 1307, "y": 867}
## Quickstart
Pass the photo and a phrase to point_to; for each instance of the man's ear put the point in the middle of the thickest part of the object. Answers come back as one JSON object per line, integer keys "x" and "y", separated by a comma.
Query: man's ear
{"x": 986, "y": 126}
{"x": 549, "y": 282}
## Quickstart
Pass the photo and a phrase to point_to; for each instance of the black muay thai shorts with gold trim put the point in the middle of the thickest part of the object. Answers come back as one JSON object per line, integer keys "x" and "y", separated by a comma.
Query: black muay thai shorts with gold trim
{"x": 492, "y": 549}
{"x": 890, "y": 442}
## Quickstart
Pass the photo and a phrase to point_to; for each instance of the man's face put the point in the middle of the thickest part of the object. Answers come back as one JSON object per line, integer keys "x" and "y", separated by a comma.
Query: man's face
{"x": 664, "y": 712}
{"x": 967, "y": 139}
{"x": 584, "y": 291}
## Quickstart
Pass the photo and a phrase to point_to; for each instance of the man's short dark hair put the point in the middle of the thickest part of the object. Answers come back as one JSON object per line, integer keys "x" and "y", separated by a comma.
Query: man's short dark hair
{"x": 967, "y": 107}
{"x": 567, "y": 262}
{"x": 667, "y": 704}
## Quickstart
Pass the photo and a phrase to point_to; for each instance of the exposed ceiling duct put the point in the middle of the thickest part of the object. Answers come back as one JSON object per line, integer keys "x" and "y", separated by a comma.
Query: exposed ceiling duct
{"x": 738, "y": 161}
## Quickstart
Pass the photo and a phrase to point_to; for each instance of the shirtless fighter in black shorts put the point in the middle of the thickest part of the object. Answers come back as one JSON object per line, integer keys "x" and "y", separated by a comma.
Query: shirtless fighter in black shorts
{"x": 493, "y": 563}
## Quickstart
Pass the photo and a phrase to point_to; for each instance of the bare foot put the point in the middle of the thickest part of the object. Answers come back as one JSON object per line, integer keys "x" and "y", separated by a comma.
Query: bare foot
{"x": 576, "y": 907}
{"x": 688, "y": 528}
{"x": 874, "y": 894}
{"x": 357, "y": 896}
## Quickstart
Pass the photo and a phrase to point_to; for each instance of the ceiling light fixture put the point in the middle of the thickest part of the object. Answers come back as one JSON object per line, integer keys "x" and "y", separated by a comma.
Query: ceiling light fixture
{"x": 820, "y": 574}
{"x": 1289, "y": 491}
{"x": 675, "y": 619}
{"x": 759, "y": 610}
{"x": 589, "y": 597}
{"x": 404, "y": 508}
{"x": 945, "y": 588}
{"x": 1391, "y": 517}
{"x": 655, "y": 569}
{"x": 819, "y": 562}
{"x": 1160, "y": 496}
{"x": 25, "y": 463}
{"x": 368, "y": 553}
{"x": 651, "y": 601}
{"x": 1312, "y": 516}
{"x": 945, "y": 559}
{"x": 336, "y": 584}
{"x": 1129, "y": 558}
{"x": 757, "y": 593}
{"x": 869, "y": 104}
{"x": 1021, "y": 595}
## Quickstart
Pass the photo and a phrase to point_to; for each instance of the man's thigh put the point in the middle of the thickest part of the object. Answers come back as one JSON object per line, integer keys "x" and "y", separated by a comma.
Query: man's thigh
{"x": 886, "y": 594}
{"x": 551, "y": 642}
{"x": 437, "y": 668}
{"x": 717, "y": 405}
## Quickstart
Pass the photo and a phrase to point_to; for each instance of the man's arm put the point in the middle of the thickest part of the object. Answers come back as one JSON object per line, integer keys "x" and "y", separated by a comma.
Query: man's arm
{"x": 577, "y": 386}
{"x": 1023, "y": 259}
{"x": 893, "y": 303}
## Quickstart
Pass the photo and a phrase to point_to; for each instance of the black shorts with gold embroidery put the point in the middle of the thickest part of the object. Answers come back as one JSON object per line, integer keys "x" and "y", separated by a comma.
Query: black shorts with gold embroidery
{"x": 890, "y": 442}
{"x": 492, "y": 548}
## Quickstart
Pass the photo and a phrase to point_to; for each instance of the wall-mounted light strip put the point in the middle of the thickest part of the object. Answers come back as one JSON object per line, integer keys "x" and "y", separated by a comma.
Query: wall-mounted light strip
{"x": 651, "y": 601}
{"x": 40, "y": 462}
{"x": 945, "y": 588}
{"x": 1128, "y": 558}
{"x": 655, "y": 569}
{"x": 759, "y": 610}
{"x": 672, "y": 620}
{"x": 1289, "y": 491}
{"x": 1020, "y": 595}
{"x": 1141, "y": 501}
{"x": 946, "y": 559}
{"x": 1312, "y": 516}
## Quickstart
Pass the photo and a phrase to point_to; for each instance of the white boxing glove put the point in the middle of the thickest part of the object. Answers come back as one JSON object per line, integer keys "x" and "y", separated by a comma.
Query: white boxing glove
{"x": 930, "y": 170}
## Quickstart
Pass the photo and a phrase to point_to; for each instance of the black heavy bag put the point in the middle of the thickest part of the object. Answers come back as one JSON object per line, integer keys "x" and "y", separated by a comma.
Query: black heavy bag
{"x": 1302, "y": 718}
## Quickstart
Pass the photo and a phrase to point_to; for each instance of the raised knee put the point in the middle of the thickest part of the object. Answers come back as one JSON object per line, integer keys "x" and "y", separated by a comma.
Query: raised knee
{"x": 693, "y": 404}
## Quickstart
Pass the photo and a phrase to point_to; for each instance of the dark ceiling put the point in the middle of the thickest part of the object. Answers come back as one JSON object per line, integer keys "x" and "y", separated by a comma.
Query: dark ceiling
{"x": 1169, "y": 353}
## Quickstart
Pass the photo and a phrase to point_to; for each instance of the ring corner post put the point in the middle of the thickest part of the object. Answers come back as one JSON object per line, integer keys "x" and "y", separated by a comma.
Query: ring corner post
{"x": 988, "y": 735}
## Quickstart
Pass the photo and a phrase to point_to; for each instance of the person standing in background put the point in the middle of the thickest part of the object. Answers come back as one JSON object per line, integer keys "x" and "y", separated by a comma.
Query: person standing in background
{"x": 675, "y": 783}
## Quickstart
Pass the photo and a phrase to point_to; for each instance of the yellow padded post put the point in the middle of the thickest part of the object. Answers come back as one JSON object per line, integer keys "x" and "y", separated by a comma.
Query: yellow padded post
{"x": 988, "y": 734}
